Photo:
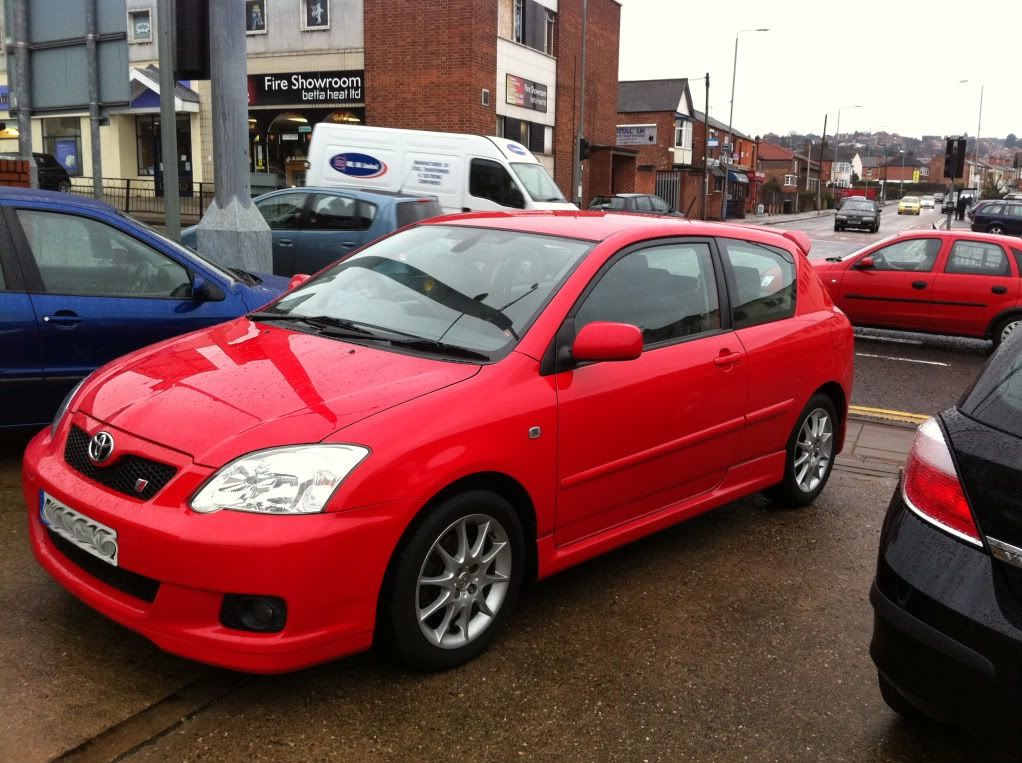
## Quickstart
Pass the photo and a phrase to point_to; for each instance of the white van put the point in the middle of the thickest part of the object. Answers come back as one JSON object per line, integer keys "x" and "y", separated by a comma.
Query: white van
{"x": 466, "y": 173}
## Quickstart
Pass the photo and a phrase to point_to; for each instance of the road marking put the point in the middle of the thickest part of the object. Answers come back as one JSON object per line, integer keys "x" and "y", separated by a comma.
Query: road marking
{"x": 884, "y": 413}
{"x": 904, "y": 360}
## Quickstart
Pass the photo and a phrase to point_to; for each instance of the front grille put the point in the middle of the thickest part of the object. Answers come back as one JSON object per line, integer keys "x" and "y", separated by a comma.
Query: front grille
{"x": 123, "y": 474}
{"x": 123, "y": 580}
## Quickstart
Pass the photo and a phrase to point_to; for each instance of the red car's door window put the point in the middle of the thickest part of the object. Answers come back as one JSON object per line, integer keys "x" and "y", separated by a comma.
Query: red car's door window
{"x": 976, "y": 285}
{"x": 896, "y": 291}
{"x": 669, "y": 421}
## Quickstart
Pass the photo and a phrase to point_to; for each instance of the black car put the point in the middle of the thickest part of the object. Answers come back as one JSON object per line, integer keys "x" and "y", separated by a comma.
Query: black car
{"x": 947, "y": 598}
{"x": 646, "y": 203}
{"x": 857, "y": 213}
{"x": 998, "y": 217}
{"x": 52, "y": 175}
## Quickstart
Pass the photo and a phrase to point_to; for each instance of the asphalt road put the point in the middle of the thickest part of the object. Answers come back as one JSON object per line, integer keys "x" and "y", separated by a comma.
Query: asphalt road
{"x": 741, "y": 635}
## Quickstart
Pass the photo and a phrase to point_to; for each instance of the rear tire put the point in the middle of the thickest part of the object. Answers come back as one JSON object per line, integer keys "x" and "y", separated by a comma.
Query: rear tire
{"x": 1004, "y": 328}
{"x": 996, "y": 229}
{"x": 454, "y": 582}
{"x": 810, "y": 454}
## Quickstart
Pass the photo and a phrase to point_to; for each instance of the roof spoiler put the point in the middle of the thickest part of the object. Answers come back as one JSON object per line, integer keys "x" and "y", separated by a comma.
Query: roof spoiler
{"x": 800, "y": 239}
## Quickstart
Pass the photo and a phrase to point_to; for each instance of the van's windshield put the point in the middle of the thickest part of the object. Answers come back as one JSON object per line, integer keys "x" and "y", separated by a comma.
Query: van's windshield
{"x": 537, "y": 182}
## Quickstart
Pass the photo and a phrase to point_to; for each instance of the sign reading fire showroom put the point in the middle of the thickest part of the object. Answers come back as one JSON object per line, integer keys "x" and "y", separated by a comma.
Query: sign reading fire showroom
{"x": 333, "y": 87}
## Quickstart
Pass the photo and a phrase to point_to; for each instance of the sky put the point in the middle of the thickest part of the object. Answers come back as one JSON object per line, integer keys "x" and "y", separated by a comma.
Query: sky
{"x": 892, "y": 59}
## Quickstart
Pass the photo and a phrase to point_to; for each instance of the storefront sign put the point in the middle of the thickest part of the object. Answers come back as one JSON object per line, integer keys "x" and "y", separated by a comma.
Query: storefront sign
{"x": 526, "y": 93}
{"x": 636, "y": 135}
{"x": 311, "y": 88}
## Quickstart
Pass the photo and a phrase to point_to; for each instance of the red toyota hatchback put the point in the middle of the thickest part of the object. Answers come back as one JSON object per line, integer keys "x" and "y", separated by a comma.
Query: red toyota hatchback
{"x": 391, "y": 449}
{"x": 957, "y": 283}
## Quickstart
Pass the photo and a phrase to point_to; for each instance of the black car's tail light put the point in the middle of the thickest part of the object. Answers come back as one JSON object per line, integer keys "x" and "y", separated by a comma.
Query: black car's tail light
{"x": 931, "y": 487}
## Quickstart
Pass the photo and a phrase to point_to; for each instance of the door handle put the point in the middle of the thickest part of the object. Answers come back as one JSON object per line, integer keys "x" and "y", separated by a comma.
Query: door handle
{"x": 728, "y": 358}
{"x": 919, "y": 284}
{"x": 285, "y": 242}
{"x": 1000, "y": 290}
{"x": 347, "y": 244}
{"x": 64, "y": 318}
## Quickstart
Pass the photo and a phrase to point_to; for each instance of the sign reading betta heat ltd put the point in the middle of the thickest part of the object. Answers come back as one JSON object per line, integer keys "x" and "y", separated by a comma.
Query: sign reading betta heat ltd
{"x": 332, "y": 88}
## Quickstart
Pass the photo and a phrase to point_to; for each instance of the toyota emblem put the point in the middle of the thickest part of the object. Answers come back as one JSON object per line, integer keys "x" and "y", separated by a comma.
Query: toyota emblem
{"x": 101, "y": 446}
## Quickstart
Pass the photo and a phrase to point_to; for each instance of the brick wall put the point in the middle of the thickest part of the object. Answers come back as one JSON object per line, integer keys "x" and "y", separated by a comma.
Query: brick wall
{"x": 426, "y": 65}
{"x": 14, "y": 172}
{"x": 599, "y": 123}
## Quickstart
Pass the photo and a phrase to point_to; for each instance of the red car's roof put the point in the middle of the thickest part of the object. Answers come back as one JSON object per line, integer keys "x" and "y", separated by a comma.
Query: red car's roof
{"x": 599, "y": 226}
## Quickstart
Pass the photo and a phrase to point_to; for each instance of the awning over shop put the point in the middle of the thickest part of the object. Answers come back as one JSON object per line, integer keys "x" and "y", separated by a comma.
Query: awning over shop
{"x": 738, "y": 177}
{"x": 717, "y": 172}
{"x": 145, "y": 93}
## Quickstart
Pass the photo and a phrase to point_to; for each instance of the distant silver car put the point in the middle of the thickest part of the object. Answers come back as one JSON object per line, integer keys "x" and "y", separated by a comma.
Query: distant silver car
{"x": 926, "y": 201}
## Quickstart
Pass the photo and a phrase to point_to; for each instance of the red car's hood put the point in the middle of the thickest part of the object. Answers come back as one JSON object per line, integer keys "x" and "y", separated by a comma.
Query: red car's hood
{"x": 241, "y": 386}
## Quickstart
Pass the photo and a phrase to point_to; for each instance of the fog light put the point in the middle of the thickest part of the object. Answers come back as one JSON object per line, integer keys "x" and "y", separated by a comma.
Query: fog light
{"x": 246, "y": 612}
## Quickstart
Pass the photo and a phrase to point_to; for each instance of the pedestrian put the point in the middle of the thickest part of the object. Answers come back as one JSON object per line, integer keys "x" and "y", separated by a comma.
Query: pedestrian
{"x": 960, "y": 207}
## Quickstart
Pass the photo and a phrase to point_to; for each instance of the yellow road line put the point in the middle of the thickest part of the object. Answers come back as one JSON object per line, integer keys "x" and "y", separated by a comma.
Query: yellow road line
{"x": 884, "y": 413}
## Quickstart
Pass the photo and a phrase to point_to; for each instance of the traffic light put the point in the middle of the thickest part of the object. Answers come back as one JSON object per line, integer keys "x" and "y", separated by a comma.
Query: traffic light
{"x": 191, "y": 39}
{"x": 954, "y": 158}
{"x": 583, "y": 149}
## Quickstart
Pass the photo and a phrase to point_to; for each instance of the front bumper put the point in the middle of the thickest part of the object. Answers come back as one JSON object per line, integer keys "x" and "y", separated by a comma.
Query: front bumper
{"x": 947, "y": 631}
{"x": 327, "y": 567}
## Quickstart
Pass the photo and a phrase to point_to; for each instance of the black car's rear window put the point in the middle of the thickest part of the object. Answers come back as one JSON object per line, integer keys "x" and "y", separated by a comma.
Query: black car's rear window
{"x": 409, "y": 212}
{"x": 996, "y": 397}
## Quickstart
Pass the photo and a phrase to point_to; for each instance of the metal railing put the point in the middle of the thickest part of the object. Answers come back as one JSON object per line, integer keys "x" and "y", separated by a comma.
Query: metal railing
{"x": 135, "y": 196}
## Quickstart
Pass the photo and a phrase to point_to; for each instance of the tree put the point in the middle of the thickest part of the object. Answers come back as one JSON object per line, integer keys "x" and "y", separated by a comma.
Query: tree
{"x": 1011, "y": 141}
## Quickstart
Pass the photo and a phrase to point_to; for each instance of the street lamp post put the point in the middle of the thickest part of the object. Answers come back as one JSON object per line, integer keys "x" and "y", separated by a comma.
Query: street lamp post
{"x": 730, "y": 116}
{"x": 901, "y": 177}
{"x": 837, "y": 134}
{"x": 979, "y": 124}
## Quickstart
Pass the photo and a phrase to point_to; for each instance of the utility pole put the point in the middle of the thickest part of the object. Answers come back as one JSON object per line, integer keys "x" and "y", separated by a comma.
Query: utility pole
{"x": 577, "y": 178}
{"x": 706, "y": 147}
{"x": 819, "y": 184}
{"x": 23, "y": 89}
{"x": 93, "y": 67}
{"x": 168, "y": 120}
{"x": 232, "y": 231}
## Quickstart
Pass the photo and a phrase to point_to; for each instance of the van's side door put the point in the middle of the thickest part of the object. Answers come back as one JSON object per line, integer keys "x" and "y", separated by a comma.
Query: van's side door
{"x": 491, "y": 187}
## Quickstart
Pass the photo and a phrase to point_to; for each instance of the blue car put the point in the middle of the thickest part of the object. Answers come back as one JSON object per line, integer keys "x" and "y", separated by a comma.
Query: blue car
{"x": 313, "y": 227}
{"x": 81, "y": 284}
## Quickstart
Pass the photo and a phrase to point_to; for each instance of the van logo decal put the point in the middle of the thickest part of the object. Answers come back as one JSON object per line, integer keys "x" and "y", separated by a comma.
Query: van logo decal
{"x": 358, "y": 165}
{"x": 514, "y": 148}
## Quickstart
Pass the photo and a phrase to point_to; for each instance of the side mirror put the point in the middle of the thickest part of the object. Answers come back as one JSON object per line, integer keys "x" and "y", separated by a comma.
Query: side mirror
{"x": 607, "y": 341}
{"x": 297, "y": 280}
{"x": 865, "y": 262}
{"x": 200, "y": 288}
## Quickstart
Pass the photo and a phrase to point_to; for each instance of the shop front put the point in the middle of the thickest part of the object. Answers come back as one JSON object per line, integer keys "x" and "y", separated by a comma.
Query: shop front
{"x": 283, "y": 109}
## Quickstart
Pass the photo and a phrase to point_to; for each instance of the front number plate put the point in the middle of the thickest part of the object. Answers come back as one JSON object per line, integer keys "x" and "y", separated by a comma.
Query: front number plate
{"x": 74, "y": 527}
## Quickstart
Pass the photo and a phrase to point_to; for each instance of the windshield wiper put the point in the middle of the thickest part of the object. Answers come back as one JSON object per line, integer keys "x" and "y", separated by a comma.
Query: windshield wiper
{"x": 324, "y": 323}
{"x": 442, "y": 348}
{"x": 245, "y": 277}
{"x": 834, "y": 259}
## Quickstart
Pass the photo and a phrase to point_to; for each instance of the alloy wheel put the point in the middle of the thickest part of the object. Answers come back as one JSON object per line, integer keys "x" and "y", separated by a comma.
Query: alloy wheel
{"x": 813, "y": 450}
{"x": 1008, "y": 328}
{"x": 463, "y": 581}
{"x": 996, "y": 229}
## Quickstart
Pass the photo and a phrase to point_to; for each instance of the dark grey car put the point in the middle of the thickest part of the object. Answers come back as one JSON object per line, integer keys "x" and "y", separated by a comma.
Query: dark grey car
{"x": 857, "y": 214}
{"x": 647, "y": 203}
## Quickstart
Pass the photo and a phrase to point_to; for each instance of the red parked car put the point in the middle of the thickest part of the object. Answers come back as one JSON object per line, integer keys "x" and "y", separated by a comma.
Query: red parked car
{"x": 389, "y": 450}
{"x": 956, "y": 283}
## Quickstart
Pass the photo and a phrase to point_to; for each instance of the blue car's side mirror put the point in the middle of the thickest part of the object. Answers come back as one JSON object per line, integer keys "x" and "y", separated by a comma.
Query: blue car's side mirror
{"x": 200, "y": 288}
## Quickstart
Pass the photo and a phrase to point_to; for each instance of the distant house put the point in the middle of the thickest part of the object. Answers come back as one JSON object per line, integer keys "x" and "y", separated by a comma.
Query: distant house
{"x": 790, "y": 172}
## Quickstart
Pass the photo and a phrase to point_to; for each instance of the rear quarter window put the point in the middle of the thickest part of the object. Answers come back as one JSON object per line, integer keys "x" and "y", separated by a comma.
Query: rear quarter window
{"x": 764, "y": 282}
{"x": 996, "y": 397}
{"x": 409, "y": 212}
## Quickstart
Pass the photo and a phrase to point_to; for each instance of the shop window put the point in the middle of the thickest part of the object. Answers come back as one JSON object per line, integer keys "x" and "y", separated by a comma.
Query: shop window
{"x": 147, "y": 141}
{"x": 255, "y": 17}
{"x": 62, "y": 137}
{"x": 140, "y": 26}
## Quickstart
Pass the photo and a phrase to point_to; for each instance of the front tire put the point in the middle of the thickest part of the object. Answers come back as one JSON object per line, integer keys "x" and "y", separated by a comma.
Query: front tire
{"x": 455, "y": 581}
{"x": 996, "y": 229}
{"x": 810, "y": 454}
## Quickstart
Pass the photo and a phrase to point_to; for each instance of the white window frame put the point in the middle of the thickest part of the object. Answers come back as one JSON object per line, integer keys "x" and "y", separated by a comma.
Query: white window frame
{"x": 549, "y": 32}
{"x": 684, "y": 129}
{"x": 303, "y": 9}
{"x": 518, "y": 21}
{"x": 131, "y": 26}
{"x": 791, "y": 181}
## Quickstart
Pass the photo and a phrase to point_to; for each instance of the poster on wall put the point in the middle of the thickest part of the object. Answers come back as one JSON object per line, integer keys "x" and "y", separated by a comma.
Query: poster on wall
{"x": 636, "y": 135}
{"x": 316, "y": 14}
{"x": 66, "y": 152}
{"x": 255, "y": 17}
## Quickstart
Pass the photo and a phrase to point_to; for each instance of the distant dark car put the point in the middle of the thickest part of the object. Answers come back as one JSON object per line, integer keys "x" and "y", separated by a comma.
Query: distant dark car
{"x": 646, "y": 203}
{"x": 313, "y": 227}
{"x": 938, "y": 197}
{"x": 998, "y": 217}
{"x": 845, "y": 199}
{"x": 52, "y": 175}
{"x": 947, "y": 598}
{"x": 857, "y": 213}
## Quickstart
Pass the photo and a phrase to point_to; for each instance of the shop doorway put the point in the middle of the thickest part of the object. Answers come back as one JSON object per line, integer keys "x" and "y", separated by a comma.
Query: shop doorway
{"x": 279, "y": 141}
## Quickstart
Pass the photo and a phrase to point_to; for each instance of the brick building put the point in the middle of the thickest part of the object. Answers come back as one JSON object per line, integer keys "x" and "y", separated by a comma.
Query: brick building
{"x": 675, "y": 146}
{"x": 493, "y": 67}
{"x": 785, "y": 174}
